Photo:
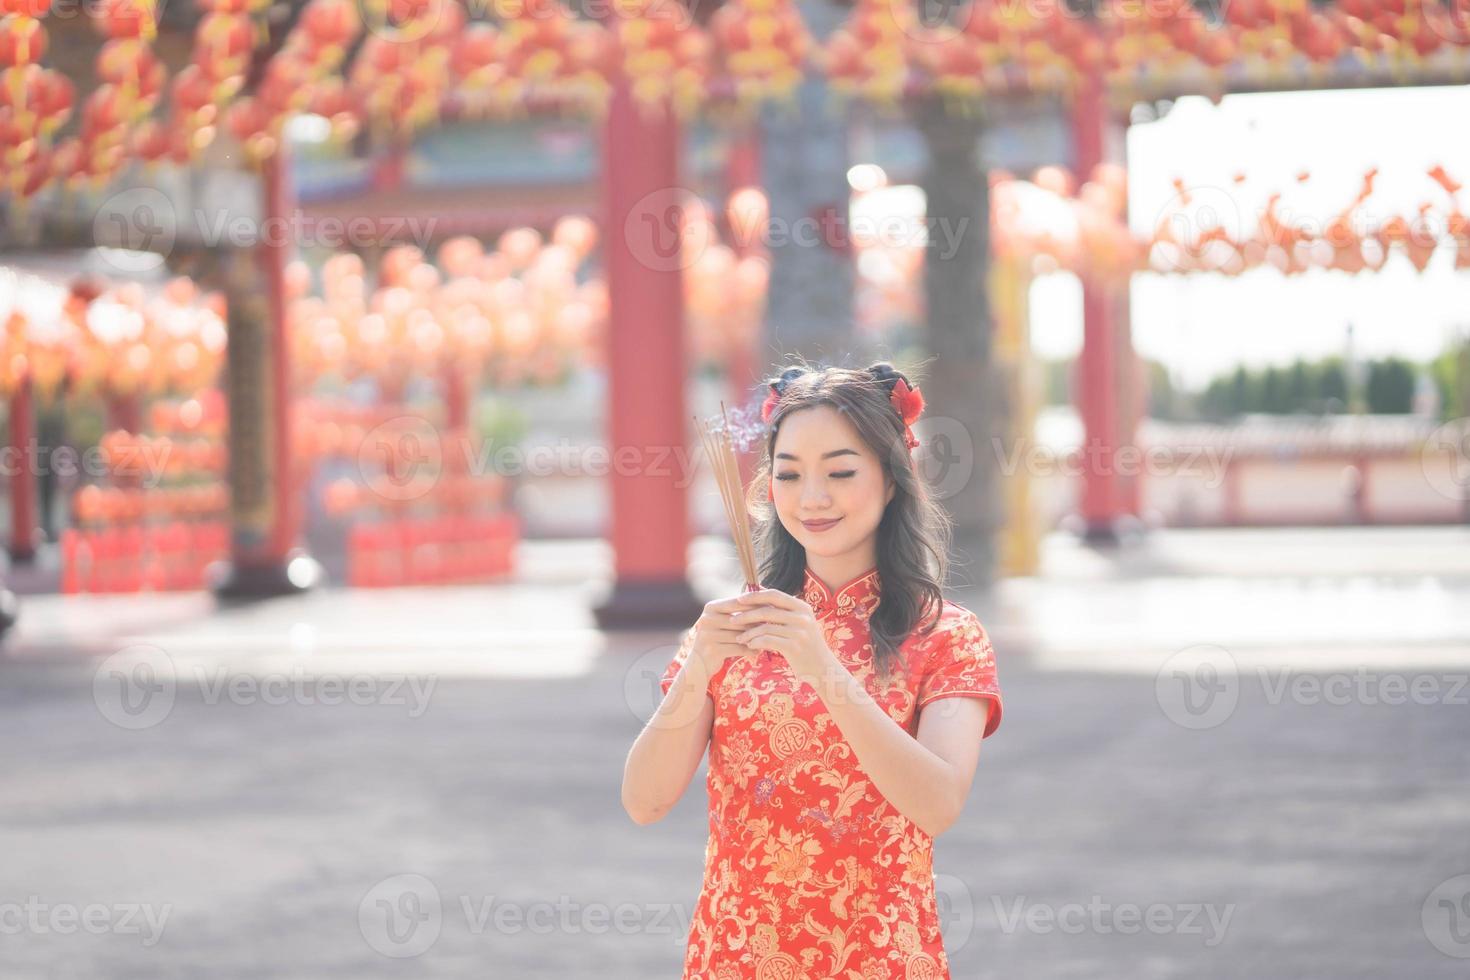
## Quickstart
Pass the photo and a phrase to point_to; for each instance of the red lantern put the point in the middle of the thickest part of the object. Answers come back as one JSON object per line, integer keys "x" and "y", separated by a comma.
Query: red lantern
{"x": 22, "y": 40}
{"x": 128, "y": 18}
{"x": 331, "y": 23}
{"x": 102, "y": 112}
{"x": 247, "y": 118}
{"x": 285, "y": 87}
{"x": 55, "y": 96}
{"x": 223, "y": 44}
{"x": 191, "y": 91}
{"x": 150, "y": 141}
{"x": 34, "y": 9}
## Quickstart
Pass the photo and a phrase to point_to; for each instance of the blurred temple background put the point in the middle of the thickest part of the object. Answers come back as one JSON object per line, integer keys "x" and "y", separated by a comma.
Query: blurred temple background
{"x": 349, "y": 355}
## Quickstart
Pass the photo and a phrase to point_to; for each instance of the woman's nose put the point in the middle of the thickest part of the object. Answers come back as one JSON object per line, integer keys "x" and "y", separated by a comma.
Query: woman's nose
{"x": 814, "y": 493}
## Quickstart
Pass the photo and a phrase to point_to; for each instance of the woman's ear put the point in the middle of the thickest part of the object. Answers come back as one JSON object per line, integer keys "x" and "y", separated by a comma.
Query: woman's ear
{"x": 892, "y": 489}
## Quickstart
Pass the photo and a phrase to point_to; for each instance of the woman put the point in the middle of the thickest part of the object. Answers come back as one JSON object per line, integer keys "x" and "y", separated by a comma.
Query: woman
{"x": 843, "y": 704}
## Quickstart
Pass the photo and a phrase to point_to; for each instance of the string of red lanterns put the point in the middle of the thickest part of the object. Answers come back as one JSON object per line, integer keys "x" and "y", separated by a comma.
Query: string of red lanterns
{"x": 421, "y": 57}
{"x": 1189, "y": 237}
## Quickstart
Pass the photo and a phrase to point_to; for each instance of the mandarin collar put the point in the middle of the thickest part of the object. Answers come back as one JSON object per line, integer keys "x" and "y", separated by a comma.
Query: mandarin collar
{"x": 858, "y": 596}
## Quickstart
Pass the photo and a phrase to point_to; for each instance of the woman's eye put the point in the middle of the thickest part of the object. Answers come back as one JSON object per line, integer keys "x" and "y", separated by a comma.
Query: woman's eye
{"x": 836, "y": 476}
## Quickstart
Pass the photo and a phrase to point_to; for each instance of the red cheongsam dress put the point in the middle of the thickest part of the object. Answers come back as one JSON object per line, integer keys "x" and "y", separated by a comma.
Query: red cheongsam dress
{"x": 810, "y": 873}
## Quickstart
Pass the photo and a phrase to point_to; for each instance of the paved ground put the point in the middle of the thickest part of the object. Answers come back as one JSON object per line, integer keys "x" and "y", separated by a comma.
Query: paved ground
{"x": 1228, "y": 754}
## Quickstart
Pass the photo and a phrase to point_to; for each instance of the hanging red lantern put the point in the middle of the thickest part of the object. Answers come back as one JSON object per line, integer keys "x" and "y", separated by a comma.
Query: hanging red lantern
{"x": 473, "y": 60}
{"x": 54, "y": 97}
{"x": 102, "y": 112}
{"x": 331, "y": 23}
{"x": 32, "y": 176}
{"x": 247, "y": 118}
{"x": 34, "y": 9}
{"x": 192, "y": 93}
{"x": 128, "y": 18}
{"x": 19, "y": 89}
{"x": 22, "y": 40}
{"x": 223, "y": 44}
{"x": 150, "y": 141}
{"x": 285, "y": 87}
{"x": 124, "y": 60}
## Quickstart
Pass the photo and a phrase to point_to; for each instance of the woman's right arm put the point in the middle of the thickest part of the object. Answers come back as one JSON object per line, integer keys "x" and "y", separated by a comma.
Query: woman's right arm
{"x": 666, "y": 754}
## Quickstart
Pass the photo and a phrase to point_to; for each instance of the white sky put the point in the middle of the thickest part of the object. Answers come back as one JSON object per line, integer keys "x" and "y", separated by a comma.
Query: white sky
{"x": 1204, "y": 324}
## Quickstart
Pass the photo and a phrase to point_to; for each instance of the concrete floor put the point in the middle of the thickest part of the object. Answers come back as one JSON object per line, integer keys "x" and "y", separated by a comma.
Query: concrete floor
{"x": 282, "y": 800}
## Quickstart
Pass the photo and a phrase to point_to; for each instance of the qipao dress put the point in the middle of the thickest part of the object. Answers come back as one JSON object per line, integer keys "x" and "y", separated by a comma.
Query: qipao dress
{"x": 809, "y": 872}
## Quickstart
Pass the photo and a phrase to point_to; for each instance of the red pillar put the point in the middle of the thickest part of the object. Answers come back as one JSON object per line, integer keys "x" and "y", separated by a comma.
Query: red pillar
{"x": 23, "y": 478}
{"x": 1099, "y": 377}
{"x": 647, "y": 420}
{"x": 265, "y": 494}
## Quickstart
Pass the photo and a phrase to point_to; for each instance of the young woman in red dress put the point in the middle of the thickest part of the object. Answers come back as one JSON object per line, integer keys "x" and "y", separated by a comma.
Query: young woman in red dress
{"x": 843, "y": 705}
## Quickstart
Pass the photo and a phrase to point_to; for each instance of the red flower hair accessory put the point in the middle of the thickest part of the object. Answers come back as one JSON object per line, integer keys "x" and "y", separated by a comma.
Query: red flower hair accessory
{"x": 909, "y": 404}
{"x": 768, "y": 407}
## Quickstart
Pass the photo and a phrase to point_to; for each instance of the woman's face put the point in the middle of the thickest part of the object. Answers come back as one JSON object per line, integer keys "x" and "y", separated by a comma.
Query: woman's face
{"x": 823, "y": 471}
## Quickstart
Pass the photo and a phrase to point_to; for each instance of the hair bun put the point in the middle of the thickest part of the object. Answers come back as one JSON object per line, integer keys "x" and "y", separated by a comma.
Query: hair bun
{"x": 888, "y": 374}
{"x": 787, "y": 376}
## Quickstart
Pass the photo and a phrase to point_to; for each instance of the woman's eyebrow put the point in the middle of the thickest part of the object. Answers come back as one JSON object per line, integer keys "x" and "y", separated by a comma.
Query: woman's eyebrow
{"x": 835, "y": 452}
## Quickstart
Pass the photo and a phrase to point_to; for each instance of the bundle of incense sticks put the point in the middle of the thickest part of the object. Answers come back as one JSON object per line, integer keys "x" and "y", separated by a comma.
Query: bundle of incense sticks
{"x": 726, "y": 466}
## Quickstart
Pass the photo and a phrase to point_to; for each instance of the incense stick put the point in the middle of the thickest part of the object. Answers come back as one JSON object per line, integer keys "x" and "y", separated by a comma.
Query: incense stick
{"x": 726, "y": 467}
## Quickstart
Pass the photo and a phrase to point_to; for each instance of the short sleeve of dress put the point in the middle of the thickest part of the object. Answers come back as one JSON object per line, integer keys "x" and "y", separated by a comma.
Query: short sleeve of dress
{"x": 961, "y": 663}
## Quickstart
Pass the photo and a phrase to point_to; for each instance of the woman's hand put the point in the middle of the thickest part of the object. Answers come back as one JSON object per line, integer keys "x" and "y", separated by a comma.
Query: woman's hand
{"x": 769, "y": 619}
{"x": 716, "y": 635}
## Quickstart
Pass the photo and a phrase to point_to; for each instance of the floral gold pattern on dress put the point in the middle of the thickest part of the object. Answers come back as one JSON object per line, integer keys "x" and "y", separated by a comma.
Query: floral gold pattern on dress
{"x": 809, "y": 872}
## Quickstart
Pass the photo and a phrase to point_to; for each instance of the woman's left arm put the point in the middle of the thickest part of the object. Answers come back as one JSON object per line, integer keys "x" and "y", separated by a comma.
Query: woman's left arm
{"x": 927, "y": 778}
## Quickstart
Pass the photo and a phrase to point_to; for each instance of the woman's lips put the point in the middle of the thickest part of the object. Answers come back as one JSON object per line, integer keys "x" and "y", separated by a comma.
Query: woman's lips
{"x": 819, "y": 525}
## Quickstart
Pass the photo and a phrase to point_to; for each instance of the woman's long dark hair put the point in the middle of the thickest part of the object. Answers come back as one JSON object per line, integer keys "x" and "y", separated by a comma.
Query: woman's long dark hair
{"x": 914, "y": 534}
